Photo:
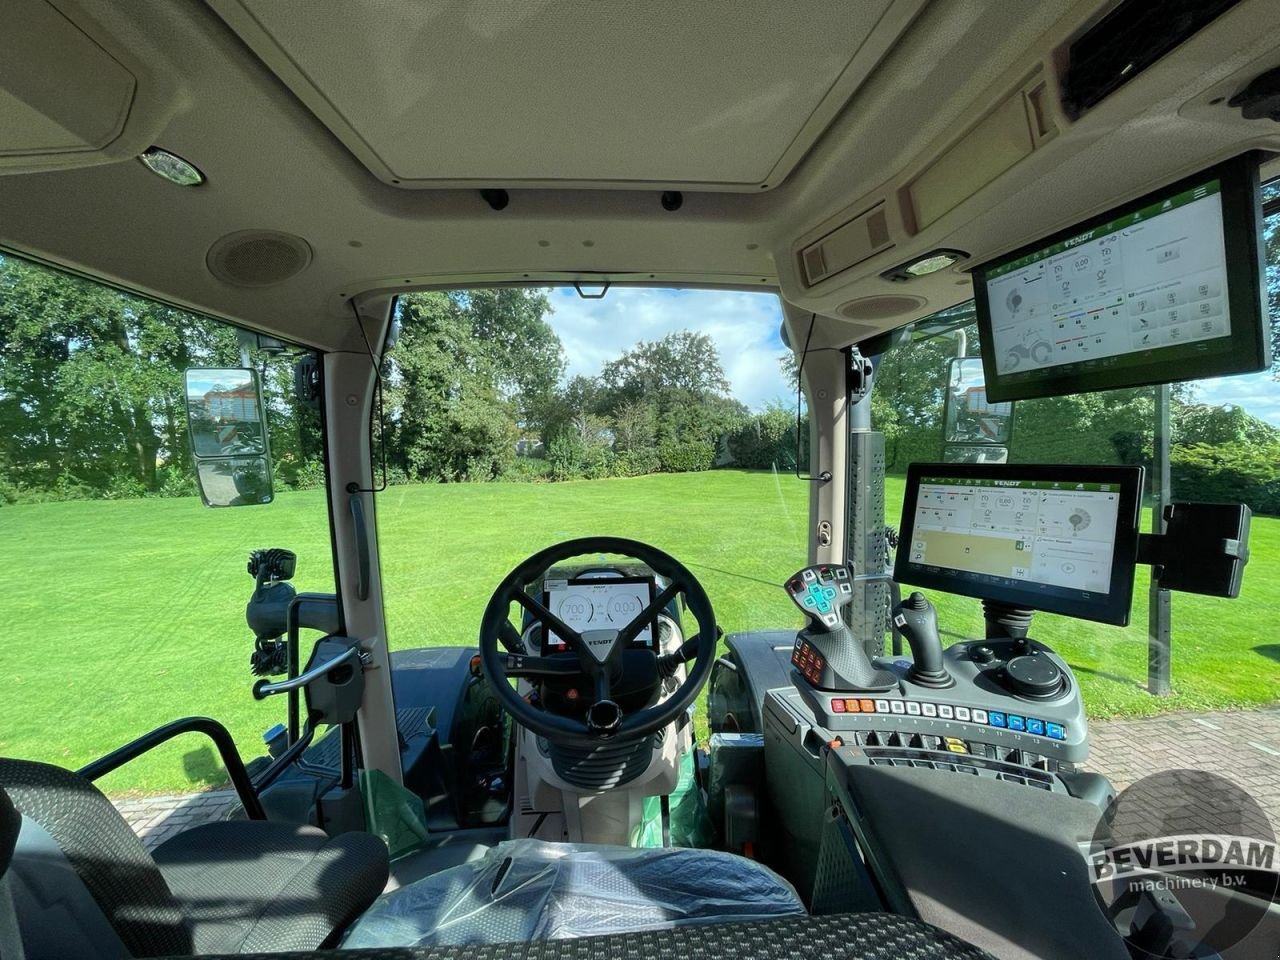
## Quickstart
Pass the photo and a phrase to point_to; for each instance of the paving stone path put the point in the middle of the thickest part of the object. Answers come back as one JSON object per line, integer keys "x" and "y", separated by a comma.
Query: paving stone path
{"x": 156, "y": 819}
{"x": 1243, "y": 746}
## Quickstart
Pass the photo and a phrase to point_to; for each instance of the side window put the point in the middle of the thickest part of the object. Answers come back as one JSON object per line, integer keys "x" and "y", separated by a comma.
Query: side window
{"x": 1225, "y": 447}
{"x": 123, "y": 596}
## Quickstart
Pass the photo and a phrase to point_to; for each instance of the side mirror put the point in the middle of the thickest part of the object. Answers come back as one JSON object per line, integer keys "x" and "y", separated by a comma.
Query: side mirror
{"x": 974, "y": 429}
{"x": 228, "y": 429}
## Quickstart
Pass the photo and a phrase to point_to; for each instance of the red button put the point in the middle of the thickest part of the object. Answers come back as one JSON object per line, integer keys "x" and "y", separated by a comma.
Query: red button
{"x": 837, "y": 706}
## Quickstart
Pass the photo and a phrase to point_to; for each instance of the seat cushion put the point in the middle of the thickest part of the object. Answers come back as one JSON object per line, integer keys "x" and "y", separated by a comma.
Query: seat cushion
{"x": 264, "y": 886}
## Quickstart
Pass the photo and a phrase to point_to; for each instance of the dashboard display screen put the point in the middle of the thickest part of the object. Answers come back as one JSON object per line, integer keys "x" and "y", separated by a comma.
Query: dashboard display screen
{"x": 598, "y": 603}
{"x": 1164, "y": 289}
{"x": 1061, "y": 539}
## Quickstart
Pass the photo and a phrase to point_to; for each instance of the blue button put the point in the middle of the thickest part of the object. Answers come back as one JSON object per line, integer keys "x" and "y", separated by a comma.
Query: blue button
{"x": 809, "y": 601}
{"x": 1056, "y": 731}
{"x": 829, "y": 592}
{"x": 1035, "y": 726}
{"x": 824, "y": 607}
{"x": 1016, "y": 722}
{"x": 996, "y": 718}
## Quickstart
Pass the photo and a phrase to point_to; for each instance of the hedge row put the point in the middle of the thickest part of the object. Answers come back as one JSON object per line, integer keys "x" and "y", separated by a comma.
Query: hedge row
{"x": 1229, "y": 473}
{"x": 1218, "y": 473}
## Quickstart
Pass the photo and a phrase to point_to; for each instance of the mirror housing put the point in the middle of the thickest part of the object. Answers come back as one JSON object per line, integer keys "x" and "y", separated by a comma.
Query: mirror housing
{"x": 974, "y": 430}
{"x": 228, "y": 429}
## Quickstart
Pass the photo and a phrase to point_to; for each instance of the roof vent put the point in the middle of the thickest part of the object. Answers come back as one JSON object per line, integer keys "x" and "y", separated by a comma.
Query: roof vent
{"x": 258, "y": 258}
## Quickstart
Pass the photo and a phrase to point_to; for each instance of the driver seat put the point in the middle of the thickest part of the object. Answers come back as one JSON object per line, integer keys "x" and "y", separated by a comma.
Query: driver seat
{"x": 85, "y": 885}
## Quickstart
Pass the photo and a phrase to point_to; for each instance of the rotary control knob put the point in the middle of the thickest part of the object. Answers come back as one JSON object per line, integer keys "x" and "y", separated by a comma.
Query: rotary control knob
{"x": 1034, "y": 676}
{"x": 981, "y": 654}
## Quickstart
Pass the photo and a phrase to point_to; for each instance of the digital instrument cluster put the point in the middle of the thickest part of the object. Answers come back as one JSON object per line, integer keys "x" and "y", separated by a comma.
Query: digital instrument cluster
{"x": 597, "y": 603}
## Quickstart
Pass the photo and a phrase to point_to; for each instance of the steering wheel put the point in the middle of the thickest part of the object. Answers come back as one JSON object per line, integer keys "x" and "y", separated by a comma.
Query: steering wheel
{"x": 599, "y": 652}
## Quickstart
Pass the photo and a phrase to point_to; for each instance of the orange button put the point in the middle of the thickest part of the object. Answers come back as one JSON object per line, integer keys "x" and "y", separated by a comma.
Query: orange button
{"x": 851, "y": 706}
{"x": 868, "y": 706}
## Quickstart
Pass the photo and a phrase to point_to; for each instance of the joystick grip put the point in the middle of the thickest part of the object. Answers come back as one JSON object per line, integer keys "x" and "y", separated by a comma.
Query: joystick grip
{"x": 917, "y": 620}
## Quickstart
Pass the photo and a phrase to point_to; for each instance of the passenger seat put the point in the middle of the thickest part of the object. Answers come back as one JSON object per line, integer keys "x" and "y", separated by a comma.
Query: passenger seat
{"x": 85, "y": 886}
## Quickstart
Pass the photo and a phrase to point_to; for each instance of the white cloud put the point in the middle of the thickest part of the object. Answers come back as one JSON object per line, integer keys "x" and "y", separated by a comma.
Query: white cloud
{"x": 744, "y": 327}
{"x": 1257, "y": 393}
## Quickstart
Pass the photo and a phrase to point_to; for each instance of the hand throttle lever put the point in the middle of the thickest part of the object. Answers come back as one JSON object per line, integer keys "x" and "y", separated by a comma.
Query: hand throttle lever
{"x": 917, "y": 620}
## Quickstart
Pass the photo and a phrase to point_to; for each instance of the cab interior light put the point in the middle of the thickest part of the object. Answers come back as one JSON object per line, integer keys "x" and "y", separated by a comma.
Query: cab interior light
{"x": 172, "y": 167}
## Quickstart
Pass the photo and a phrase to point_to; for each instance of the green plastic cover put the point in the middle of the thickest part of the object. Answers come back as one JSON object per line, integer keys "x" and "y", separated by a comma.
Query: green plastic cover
{"x": 690, "y": 823}
{"x": 393, "y": 812}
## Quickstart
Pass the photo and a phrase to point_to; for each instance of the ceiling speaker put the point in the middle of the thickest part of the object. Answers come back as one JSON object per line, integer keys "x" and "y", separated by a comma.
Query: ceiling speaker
{"x": 880, "y": 308}
{"x": 257, "y": 258}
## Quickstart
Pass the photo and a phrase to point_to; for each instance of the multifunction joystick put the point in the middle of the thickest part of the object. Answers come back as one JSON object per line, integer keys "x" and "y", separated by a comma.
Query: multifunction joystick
{"x": 917, "y": 620}
{"x": 826, "y": 652}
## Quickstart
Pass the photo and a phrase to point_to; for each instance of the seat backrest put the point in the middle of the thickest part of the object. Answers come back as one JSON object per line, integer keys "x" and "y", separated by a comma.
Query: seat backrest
{"x": 96, "y": 840}
{"x": 10, "y": 824}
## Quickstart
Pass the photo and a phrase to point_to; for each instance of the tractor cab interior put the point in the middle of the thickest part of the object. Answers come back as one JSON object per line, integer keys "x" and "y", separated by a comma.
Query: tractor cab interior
{"x": 602, "y": 762}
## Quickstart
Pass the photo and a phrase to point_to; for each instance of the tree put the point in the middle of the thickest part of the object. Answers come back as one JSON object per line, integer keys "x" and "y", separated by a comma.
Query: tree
{"x": 1202, "y": 423}
{"x": 683, "y": 360}
{"x": 634, "y": 425}
{"x": 676, "y": 384}
{"x": 451, "y": 420}
{"x": 573, "y": 409}
{"x": 527, "y": 357}
{"x": 472, "y": 370}
{"x": 91, "y": 390}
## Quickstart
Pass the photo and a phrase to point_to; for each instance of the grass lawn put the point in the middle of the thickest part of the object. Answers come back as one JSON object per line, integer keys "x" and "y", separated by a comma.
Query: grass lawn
{"x": 123, "y": 615}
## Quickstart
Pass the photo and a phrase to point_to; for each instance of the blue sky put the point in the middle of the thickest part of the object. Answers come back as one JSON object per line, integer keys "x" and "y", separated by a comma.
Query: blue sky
{"x": 1258, "y": 393}
{"x": 745, "y": 326}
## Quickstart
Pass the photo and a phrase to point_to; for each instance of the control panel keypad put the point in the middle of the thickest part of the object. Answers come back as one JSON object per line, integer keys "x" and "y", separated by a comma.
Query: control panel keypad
{"x": 809, "y": 661}
{"x": 819, "y": 591}
{"x": 939, "y": 711}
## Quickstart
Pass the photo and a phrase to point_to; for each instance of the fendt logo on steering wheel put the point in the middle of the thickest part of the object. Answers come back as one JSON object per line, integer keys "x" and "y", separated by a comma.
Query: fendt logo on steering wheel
{"x": 600, "y": 643}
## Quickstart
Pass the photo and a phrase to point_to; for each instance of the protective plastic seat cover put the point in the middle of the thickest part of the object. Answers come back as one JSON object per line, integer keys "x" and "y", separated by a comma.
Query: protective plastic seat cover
{"x": 533, "y": 890}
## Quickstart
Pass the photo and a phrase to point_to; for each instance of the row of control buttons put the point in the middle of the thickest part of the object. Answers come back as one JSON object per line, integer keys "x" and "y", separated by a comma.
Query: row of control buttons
{"x": 809, "y": 662}
{"x": 944, "y": 711}
{"x": 1021, "y": 724}
{"x": 974, "y": 748}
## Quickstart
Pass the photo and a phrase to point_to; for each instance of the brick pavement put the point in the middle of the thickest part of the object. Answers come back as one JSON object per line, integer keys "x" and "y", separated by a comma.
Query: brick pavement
{"x": 1242, "y": 745}
{"x": 156, "y": 819}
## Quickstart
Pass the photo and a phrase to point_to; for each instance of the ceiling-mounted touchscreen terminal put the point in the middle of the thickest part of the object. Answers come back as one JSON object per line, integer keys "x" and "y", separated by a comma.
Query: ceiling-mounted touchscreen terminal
{"x": 1166, "y": 288}
{"x": 598, "y": 603}
{"x": 1060, "y": 539}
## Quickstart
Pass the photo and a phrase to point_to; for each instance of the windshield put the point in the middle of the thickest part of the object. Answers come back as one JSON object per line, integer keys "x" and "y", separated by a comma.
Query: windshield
{"x": 519, "y": 418}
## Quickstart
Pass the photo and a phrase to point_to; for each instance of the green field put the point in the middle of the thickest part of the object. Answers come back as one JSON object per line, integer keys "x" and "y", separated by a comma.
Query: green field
{"x": 125, "y": 614}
